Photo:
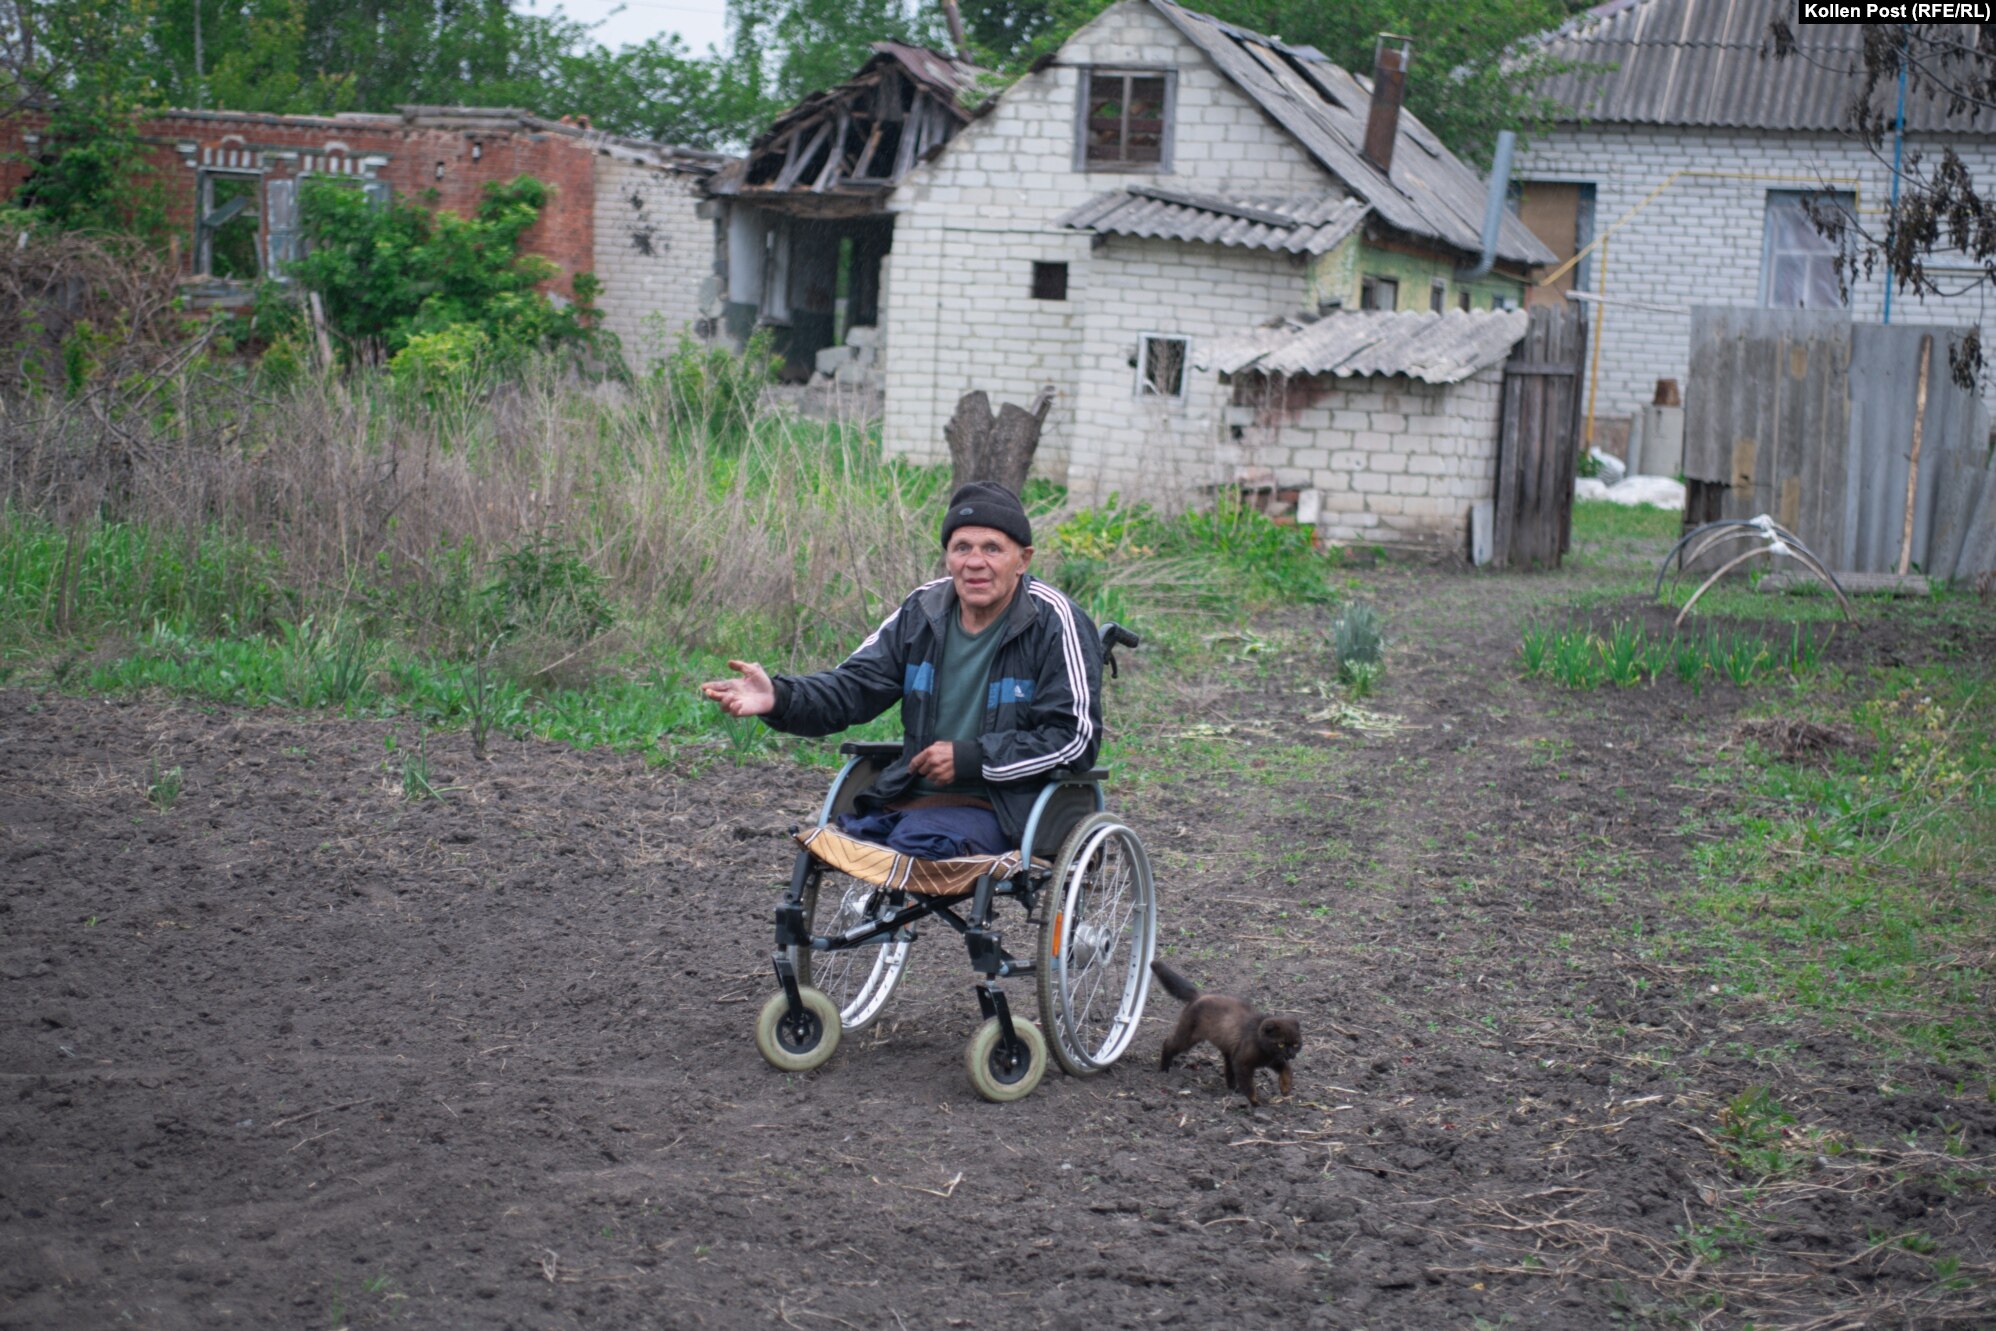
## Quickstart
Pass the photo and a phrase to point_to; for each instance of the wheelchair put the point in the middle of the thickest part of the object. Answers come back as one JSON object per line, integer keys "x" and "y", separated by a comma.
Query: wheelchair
{"x": 1082, "y": 877}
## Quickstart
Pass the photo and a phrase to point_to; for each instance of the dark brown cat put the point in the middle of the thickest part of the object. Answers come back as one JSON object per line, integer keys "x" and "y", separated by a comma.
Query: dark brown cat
{"x": 1246, "y": 1039}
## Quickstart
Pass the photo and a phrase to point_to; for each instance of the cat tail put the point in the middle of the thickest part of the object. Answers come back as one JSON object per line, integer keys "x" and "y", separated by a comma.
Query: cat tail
{"x": 1175, "y": 984}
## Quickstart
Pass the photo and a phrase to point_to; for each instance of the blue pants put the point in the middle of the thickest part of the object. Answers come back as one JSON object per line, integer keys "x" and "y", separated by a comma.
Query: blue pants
{"x": 944, "y": 832}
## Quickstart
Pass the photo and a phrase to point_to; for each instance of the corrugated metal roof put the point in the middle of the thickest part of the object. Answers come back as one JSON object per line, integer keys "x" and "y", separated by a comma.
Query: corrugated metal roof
{"x": 1712, "y": 62}
{"x": 1430, "y": 193}
{"x": 1435, "y": 348}
{"x": 1308, "y": 225}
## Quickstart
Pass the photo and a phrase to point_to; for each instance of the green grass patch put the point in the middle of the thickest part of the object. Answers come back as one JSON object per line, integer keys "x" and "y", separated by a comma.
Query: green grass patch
{"x": 1864, "y": 889}
{"x": 1626, "y": 654}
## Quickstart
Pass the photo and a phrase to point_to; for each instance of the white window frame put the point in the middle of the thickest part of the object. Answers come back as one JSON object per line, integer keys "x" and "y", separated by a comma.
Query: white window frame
{"x": 1793, "y": 201}
{"x": 1144, "y": 390}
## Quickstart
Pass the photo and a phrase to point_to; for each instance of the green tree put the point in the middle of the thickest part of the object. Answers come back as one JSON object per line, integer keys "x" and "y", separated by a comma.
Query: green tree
{"x": 391, "y": 273}
{"x": 89, "y": 171}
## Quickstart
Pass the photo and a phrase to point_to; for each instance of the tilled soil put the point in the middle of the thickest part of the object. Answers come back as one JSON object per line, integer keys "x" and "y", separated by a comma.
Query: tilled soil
{"x": 298, "y": 1052}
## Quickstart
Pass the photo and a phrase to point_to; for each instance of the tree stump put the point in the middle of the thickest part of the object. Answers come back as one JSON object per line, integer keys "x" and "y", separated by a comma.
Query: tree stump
{"x": 1000, "y": 447}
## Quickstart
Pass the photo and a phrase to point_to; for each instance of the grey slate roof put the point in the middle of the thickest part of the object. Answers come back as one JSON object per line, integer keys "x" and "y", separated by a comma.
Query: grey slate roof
{"x": 1430, "y": 193}
{"x": 1711, "y": 63}
{"x": 1436, "y": 348}
{"x": 1310, "y": 225}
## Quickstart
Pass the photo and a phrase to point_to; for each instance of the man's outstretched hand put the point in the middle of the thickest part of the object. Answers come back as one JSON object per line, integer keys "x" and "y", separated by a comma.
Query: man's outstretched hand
{"x": 751, "y": 695}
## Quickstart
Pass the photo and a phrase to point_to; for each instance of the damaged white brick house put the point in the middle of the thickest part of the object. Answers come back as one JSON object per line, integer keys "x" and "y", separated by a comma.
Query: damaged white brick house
{"x": 1171, "y": 214}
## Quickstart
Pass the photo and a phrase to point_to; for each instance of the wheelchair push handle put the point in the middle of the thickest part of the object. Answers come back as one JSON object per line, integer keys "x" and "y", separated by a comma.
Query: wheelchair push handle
{"x": 1114, "y": 636}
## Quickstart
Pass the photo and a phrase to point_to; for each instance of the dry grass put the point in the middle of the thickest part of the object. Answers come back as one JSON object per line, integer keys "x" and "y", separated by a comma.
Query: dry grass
{"x": 363, "y": 490}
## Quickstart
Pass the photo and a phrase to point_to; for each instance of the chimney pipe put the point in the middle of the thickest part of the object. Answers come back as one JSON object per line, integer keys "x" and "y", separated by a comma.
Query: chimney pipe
{"x": 954, "y": 18}
{"x": 1493, "y": 206}
{"x": 1390, "y": 58}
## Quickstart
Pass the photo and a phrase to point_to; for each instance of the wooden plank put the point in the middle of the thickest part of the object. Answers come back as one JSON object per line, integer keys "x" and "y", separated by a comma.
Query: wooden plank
{"x": 1703, "y": 406}
{"x": 866, "y": 153}
{"x": 904, "y": 156}
{"x": 1504, "y": 518}
{"x": 835, "y": 156}
{"x": 794, "y": 167}
{"x": 1573, "y": 346}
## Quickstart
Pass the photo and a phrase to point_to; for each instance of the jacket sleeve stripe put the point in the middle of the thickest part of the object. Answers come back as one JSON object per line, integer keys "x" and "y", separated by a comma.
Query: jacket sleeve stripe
{"x": 888, "y": 622}
{"x": 1077, "y": 680}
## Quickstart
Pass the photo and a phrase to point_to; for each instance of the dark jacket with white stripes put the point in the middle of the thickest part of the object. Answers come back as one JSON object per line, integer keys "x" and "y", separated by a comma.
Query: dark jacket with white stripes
{"x": 1043, "y": 708}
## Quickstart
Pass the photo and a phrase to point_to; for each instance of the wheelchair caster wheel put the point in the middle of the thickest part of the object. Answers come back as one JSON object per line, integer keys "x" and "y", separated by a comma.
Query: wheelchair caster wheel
{"x": 801, "y": 1044}
{"x": 1002, "y": 1074}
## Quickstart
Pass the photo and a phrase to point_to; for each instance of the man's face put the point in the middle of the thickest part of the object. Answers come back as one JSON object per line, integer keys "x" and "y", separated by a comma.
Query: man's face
{"x": 986, "y": 565}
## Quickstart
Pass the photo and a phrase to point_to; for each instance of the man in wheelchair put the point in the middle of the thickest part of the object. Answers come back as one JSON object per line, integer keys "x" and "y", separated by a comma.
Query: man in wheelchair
{"x": 999, "y": 677}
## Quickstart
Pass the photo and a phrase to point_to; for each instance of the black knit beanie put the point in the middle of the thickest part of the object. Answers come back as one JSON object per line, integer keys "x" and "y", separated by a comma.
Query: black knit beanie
{"x": 985, "y": 504}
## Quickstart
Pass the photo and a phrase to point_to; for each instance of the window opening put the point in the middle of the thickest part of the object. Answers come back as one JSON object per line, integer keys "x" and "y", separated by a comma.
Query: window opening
{"x": 1124, "y": 119}
{"x": 1049, "y": 281}
{"x": 1464, "y": 300}
{"x": 226, "y": 234}
{"x": 1798, "y": 268}
{"x": 1438, "y": 295}
{"x": 1379, "y": 293}
{"x": 1161, "y": 366}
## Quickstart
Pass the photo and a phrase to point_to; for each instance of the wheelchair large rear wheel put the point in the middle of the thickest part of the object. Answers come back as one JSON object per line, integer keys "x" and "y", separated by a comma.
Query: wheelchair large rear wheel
{"x": 858, "y": 980}
{"x": 1098, "y": 933}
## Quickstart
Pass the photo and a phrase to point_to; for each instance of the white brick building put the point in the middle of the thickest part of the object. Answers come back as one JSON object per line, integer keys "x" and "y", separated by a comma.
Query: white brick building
{"x": 653, "y": 249}
{"x": 1164, "y": 184}
{"x": 1685, "y": 176}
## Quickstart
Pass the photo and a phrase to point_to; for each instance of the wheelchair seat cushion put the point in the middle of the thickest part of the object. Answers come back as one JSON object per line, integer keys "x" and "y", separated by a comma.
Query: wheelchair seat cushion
{"x": 873, "y": 863}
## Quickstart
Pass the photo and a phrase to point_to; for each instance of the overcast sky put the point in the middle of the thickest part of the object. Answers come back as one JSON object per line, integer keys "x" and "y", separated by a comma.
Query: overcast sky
{"x": 700, "y": 23}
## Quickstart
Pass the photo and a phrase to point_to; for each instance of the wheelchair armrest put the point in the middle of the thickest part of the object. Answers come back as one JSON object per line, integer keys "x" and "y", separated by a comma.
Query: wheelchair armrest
{"x": 1075, "y": 774}
{"x": 884, "y": 750}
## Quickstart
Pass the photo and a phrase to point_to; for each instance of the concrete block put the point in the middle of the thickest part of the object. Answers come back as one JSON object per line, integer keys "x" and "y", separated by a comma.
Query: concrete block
{"x": 832, "y": 359}
{"x": 863, "y": 335}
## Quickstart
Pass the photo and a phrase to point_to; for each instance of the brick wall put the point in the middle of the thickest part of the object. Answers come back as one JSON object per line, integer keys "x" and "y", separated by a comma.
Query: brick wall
{"x": 1399, "y": 461}
{"x": 444, "y": 168}
{"x": 1145, "y": 446}
{"x": 971, "y": 222}
{"x": 1699, "y": 241}
{"x": 652, "y": 251}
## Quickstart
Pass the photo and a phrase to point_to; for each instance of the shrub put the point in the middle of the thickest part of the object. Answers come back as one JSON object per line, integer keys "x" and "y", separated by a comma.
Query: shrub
{"x": 1356, "y": 642}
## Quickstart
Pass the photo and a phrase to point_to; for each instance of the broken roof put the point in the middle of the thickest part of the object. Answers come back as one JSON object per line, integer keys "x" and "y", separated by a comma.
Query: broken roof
{"x": 1435, "y": 348}
{"x": 1429, "y": 193}
{"x": 842, "y": 148}
{"x": 1308, "y": 225}
{"x": 1691, "y": 62}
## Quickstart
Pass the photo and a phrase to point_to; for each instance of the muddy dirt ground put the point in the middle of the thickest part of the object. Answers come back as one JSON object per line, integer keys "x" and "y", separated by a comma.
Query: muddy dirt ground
{"x": 298, "y": 1053}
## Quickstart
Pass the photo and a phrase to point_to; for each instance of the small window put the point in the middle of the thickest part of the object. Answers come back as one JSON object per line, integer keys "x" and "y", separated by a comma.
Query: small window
{"x": 1438, "y": 295}
{"x": 1379, "y": 293}
{"x": 1125, "y": 120}
{"x": 1798, "y": 267}
{"x": 1049, "y": 281}
{"x": 1161, "y": 363}
{"x": 1464, "y": 301}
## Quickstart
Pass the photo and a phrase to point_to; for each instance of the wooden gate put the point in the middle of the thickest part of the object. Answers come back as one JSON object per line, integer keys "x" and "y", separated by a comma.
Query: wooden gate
{"x": 1538, "y": 443}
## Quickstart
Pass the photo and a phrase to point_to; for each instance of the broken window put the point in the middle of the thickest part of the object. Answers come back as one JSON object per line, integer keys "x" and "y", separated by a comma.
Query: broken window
{"x": 1438, "y": 295}
{"x": 1379, "y": 293}
{"x": 1798, "y": 266}
{"x": 1049, "y": 281}
{"x": 1161, "y": 360}
{"x": 230, "y": 215}
{"x": 1125, "y": 119}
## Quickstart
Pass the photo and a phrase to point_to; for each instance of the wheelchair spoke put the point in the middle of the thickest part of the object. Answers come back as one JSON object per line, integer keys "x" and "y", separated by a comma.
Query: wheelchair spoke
{"x": 857, "y": 979}
{"x": 1099, "y": 946}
